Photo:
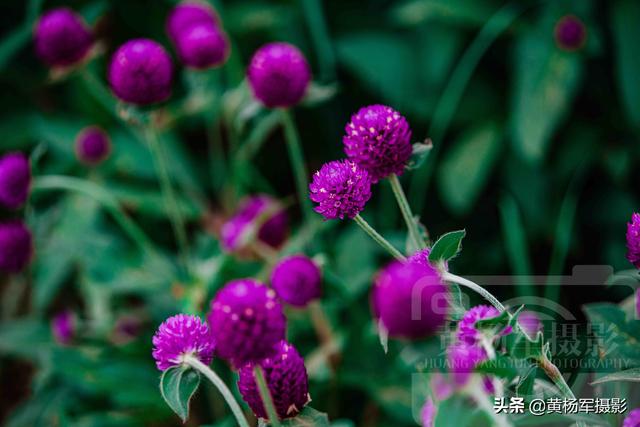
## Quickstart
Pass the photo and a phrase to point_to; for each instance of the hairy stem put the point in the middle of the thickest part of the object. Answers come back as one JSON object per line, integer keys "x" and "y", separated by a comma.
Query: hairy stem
{"x": 298, "y": 164}
{"x": 265, "y": 395}
{"x": 403, "y": 203}
{"x": 378, "y": 238}
{"x": 449, "y": 277}
{"x": 196, "y": 364}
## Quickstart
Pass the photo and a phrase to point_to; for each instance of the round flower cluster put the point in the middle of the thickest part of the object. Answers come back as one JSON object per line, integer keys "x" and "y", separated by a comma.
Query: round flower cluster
{"x": 92, "y": 145}
{"x": 179, "y": 336}
{"x": 570, "y": 33}
{"x": 632, "y": 419}
{"x": 278, "y": 75}
{"x": 63, "y": 327}
{"x": 409, "y": 300}
{"x": 16, "y": 246}
{"x": 296, "y": 279}
{"x": 62, "y": 38}
{"x": 194, "y": 30}
{"x": 258, "y": 216}
{"x": 15, "y": 179}
{"x": 633, "y": 240}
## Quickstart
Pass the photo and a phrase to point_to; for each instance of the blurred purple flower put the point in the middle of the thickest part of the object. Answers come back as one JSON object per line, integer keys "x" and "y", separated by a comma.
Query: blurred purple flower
{"x": 428, "y": 413}
{"x": 467, "y": 332}
{"x": 15, "y": 179}
{"x": 202, "y": 46}
{"x": 247, "y": 322}
{"x": 92, "y": 145}
{"x": 62, "y": 38}
{"x": 141, "y": 72}
{"x": 633, "y": 240}
{"x": 632, "y": 419}
{"x": 279, "y": 75}
{"x": 15, "y": 246}
{"x": 570, "y": 33}
{"x": 286, "y": 378}
{"x": 189, "y": 14}
{"x": 341, "y": 189}
{"x": 462, "y": 360}
{"x": 179, "y": 336}
{"x": 296, "y": 279}
{"x": 530, "y": 323}
{"x": 63, "y": 327}
{"x": 378, "y": 138}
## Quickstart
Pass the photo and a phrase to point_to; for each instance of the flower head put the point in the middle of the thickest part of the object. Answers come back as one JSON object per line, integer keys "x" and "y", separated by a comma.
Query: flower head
{"x": 62, "y": 38}
{"x": 202, "y": 46}
{"x": 341, "y": 189}
{"x": 15, "y": 246}
{"x": 179, "y": 336}
{"x": 15, "y": 179}
{"x": 279, "y": 75}
{"x": 189, "y": 14}
{"x": 633, "y": 240}
{"x": 632, "y": 419}
{"x": 409, "y": 300}
{"x": 428, "y": 413}
{"x": 246, "y": 321}
{"x": 92, "y": 145}
{"x": 63, "y": 326}
{"x": 141, "y": 72}
{"x": 296, "y": 279}
{"x": 286, "y": 378}
{"x": 261, "y": 212}
{"x": 468, "y": 333}
{"x": 570, "y": 33}
{"x": 462, "y": 360}
{"x": 378, "y": 138}
{"x": 530, "y": 323}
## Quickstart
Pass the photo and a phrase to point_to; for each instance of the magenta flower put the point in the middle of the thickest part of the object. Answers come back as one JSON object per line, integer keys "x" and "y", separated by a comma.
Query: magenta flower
{"x": 570, "y": 33}
{"x": 202, "y": 46}
{"x": 141, "y": 72}
{"x": 279, "y": 75}
{"x": 286, "y": 378}
{"x": 246, "y": 321}
{"x": 468, "y": 333}
{"x": 632, "y": 419}
{"x": 341, "y": 189}
{"x": 63, "y": 327}
{"x": 260, "y": 211}
{"x": 378, "y": 138}
{"x": 62, "y": 38}
{"x": 462, "y": 360}
{"x": 189, "y": 14}
{"x": 15, "y": 180}
{"x": 428, "y": 413}
{"x": 530, "y": 323}
{"x": 296, "y": 279}
{"x": 92, "y": 145}
{"x": 421, "y": 256}
{"x": 410, "y": 300}
{"x": 633, "y": 240}
{"x": 16, "y": 246}
{"x": 179, "y": 336}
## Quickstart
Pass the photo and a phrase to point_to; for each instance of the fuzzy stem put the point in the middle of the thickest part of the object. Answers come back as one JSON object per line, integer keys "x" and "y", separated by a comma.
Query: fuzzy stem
{"x": 449, "y": 277}
{"x": 555, "y": 375}
{"x": 171, "y": 203}
{"x": 196, "y": 364}
{"x": 378, "y": 238}
{"x": 298, "y": 164}
{"x": 403, "y": 203}
{"x": 265, "y": 395}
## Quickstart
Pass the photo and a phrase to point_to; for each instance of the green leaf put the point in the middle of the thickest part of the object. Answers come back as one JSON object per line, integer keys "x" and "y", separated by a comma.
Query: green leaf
{"x": 465, "y": 169}
{"x": 177, "y": 386}
{"x": 626, "y": 33}
{"x": 524, "y": 387}
{"x": 616, "y": 336}
{"x": 419, "y": 153}
{"x": 447, "y": 246}
{"x": 632, "y": 375}
{"x": 458, "y": 411}
{"x": 546, "y": 81}
{"x": 497, "y": 323}
{"x": 415, "y": 12}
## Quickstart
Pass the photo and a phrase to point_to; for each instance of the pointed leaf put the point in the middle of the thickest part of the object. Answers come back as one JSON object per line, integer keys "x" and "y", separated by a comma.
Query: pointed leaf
{"x": 626, "y": 33}
{"x": 177, "y": 386}
{"x": 447, "y": 246}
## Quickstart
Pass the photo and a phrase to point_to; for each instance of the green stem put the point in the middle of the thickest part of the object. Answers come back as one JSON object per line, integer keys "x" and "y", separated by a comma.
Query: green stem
{"x": 555, "y": 375}
{"x": 221, "y": 386}
{"x": 265, "y": 395}
{"x": 297, "y": 163}
{"x": 378, "y": 238}
{"x": 449, "y": 277}
{"x": 314, "y": 15}
{"x": 403, "y": 203}
{"x": 170, "y": 200}
{"x": 102, "y": 196}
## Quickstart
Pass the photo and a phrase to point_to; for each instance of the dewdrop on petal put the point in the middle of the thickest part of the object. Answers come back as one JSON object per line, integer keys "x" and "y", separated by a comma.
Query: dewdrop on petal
{"x": 15, "y": 180}
{"x": 179, "y": 336}
{"x": 62, "y": 38}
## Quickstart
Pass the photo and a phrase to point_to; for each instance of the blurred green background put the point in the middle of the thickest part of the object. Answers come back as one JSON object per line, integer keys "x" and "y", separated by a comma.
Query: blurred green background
{"x": 534, "y": 154}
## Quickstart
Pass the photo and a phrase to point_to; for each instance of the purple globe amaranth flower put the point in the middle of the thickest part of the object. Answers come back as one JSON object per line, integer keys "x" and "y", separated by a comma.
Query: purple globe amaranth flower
{"x": 341, "y": 189}
{"x": 247, "y": 322}
{"x": 296, "y": 279}
{"x": 378, "y": 138}
{"x": 428, "y": 413}
{"x": 62, "y": 38}
{"x": 462, "y": 360}
{"x": 92, "y": 145}
{"x": 279, "y": 75}
{"x": 409, "y": 300}
{"x": 15, "y": 179}
{"x": 16, "y": 246}
{"x": 141, "y": 72}
{"x": 570, "y": 33}
{"x": 468, "y": 333}
{"x": 633, "y": 240}
{"x": 189, "y": 14}
{"x": 63, "y": 327}
{"x": 286, "y": 378}
{"x": 202, "y": 46}
{"x": 261, "y": 211}
{"x": 632, "y": 419}
{"x": 179, "y": 336}
{"x": 421, "y": 256}
{"x": 530, "y": 323}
